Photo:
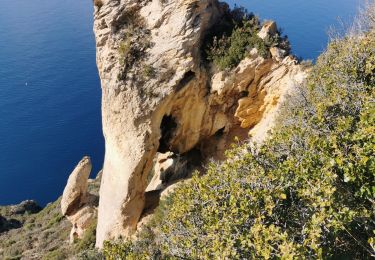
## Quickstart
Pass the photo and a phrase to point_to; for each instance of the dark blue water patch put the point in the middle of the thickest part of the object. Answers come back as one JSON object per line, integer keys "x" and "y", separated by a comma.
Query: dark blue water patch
{"x": 49, "y": 97}
{"x": 305, "y": 22}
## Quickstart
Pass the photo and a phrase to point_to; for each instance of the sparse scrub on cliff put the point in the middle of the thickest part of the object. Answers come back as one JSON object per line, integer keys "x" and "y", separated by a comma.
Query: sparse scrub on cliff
{"x": 308, "y": 192}
{"x": 124, "y": 50}
{"x": 235, "y": 36}
{"x": 132, "y": 48}
{"x": 149, "y": 71}
{"x": 278, "y": 40}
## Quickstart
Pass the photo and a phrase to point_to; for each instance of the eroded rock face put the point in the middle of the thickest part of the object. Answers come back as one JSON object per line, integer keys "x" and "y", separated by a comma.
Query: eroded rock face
{"x": 81, "y": 221}
{"x": 75, "y": 192}
{"x": 165, "y": 100}
{"x": 76, "y": 203}
{"x": 168, "y": 168}
{"x": 269, "y": 29}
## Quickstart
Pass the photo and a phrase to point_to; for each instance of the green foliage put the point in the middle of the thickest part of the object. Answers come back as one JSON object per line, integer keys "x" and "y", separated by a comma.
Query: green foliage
{"x": 90, "y": 254}
{"x": 347, "y": 115}
{"x": 124, "y": 50}
{"x": 228, "y": 51}
{"x": 113, "y": 251}
{"x": 308, "y": 192}
{"x": 236, "y": 36}
{"x": 142, "y": 248}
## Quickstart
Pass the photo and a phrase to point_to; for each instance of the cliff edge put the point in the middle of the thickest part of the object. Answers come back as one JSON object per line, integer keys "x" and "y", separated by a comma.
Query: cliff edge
{"x": 160, "y": 94}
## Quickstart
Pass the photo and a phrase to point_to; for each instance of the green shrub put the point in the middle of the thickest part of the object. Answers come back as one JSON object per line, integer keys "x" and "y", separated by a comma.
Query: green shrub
{"x": 130, "y": 50}
{"x": 144, "y": 247}
{"x": 226, "y": 51}
{"x": 307, "y": 193}
{"x": 90, "y": 254}
{"x": 235, "y": 36}
{"x": 124, "y": 50}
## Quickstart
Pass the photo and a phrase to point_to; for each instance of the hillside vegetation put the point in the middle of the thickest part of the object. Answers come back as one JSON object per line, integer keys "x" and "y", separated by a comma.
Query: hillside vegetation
{"x": 44, "y": 234}
{"x": 308, "y": 192}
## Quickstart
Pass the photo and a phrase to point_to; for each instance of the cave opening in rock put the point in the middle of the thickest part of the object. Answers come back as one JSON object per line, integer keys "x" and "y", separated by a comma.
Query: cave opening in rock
{"x": 188, "y": 76}
{"x": 152, "y": 199}
{"x": 219, "y": 133}
{"x": 167, "y": 127}
{"x": 194, "y": 159}
{"x": 244, "y": 93}
{"x": 182, "y": 168}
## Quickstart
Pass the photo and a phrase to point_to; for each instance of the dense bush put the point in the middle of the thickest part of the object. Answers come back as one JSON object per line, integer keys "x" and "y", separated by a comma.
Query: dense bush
{"x": 309, "y": 192}
{"x": 235, "y": 35}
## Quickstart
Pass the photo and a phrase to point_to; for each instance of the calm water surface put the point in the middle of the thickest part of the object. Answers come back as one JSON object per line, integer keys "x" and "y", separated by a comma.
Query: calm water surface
{"x": 50, "y": 91}
{"x": 49, "y": 96}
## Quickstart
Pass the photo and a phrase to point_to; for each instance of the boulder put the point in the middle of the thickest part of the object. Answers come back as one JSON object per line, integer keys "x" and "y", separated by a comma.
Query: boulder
{"x": 3, "y": 222}
{"x": 75, "y": 191}
{"x": 77, "y": 204}
{"x": 168, "y": 168}
{"x": 278, "y": 53}
{"x": 8, "y": 224}
{"x": 27, "y": 206}
{"x": 269, "y": 28}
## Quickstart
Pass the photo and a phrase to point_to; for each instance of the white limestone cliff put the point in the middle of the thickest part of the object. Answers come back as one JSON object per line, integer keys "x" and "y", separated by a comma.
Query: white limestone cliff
{"x": 165, "y": 100}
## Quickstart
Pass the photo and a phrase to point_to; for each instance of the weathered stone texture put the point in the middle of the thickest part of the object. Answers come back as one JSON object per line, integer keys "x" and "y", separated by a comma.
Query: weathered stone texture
{"x": 178, "y": 107}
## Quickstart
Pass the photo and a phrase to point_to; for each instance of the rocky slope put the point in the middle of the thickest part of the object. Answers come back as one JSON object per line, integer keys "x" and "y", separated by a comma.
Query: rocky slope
{"x": 160, "y": 96}
{"x": 29, "y": 232}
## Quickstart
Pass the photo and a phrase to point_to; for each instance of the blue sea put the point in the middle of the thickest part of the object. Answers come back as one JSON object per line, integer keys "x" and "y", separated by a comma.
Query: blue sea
{"x": 49, "y": 96}
{"x": 50, "y": 90}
